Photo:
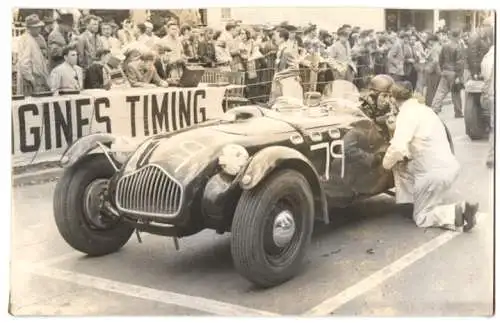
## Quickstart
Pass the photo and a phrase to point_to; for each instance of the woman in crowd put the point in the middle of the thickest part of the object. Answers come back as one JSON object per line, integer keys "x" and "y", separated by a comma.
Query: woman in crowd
{"x": 140, "y": 70}
{"x": 222, "y": 57}
{"x": 249, "y": 54}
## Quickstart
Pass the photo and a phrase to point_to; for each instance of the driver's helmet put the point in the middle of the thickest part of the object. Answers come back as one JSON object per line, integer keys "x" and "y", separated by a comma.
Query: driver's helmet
{"x": 381, "y": 83}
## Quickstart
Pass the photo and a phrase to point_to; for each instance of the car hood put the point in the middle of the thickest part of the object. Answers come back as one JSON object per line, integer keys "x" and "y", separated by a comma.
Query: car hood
{"x": 186, "y": 154}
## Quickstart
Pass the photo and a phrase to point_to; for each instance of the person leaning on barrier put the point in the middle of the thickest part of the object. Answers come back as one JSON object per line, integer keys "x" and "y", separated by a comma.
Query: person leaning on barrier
{"x": 140, "y": 70}
{"x": 161, "y": 61}
{"x": 424, "y": 166}
{"x": 98, "y": 73}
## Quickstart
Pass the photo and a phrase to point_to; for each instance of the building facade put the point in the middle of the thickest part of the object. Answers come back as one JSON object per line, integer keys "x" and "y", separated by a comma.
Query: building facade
{"x": 366, "y": 18}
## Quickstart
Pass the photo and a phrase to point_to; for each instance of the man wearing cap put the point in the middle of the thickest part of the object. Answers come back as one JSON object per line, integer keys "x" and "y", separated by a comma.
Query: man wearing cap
{"x": 89, "y": 42}
{"x": 59, "y": 38}
{"x": 33, "y": 71}
{"x": 451, "y": 63}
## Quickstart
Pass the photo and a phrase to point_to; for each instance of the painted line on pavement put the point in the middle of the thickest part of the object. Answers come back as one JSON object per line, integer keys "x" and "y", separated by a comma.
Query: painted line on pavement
{"x": 146, "y": 293}
{"x": 330, "y": 305}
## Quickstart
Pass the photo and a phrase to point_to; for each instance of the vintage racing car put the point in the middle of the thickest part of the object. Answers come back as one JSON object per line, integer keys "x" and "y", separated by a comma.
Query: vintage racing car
{"x": 265, "y": 175}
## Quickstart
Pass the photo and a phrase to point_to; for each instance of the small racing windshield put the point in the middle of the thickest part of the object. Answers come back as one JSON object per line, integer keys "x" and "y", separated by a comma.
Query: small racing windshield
{"x": 342, "y": 95}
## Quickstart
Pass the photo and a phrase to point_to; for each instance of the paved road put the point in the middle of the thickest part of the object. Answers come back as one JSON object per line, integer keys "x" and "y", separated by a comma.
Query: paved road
{"x": 370, "y": 263}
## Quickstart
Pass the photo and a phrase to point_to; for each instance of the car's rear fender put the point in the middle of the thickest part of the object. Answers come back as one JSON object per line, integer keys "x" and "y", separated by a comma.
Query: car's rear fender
{"x": 274, "y": 158}
{"x": 84, "y": 146}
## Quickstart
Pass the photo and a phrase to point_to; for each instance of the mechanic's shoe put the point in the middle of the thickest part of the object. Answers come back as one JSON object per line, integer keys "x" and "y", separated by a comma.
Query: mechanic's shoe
{"x": 459, "y": 215}
{"x": 470, "y": 215}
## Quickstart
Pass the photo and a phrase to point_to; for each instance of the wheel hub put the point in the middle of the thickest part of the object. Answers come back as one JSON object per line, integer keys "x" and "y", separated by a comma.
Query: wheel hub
{"x": 95, "y": 195}
{"x": 283, "y": 228}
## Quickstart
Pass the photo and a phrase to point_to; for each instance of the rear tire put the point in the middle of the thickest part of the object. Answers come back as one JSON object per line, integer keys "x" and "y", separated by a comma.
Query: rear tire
{"x": 474, "y": 127}
{"x": 72, "y": 220}
{"x": 260, "y": 250}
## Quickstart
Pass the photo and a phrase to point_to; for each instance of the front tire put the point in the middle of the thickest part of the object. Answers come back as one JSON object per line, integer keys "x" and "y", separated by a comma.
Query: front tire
{"x": 272, "y": 229}
{"x": 86, "y": 231}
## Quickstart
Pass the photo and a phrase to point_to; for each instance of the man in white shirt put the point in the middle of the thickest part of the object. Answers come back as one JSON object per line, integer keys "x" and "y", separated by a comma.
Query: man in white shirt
{"x": 67, "y": 75}
{"x": 424, "y": 166}
{"x": 286, "y": 80}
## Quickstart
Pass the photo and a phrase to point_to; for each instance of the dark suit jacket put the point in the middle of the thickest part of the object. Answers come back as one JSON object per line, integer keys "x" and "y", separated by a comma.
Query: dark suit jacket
{"x": 94, "y": 78}
{"x": 451, "y": 58}
{"x": 206, "y": 53}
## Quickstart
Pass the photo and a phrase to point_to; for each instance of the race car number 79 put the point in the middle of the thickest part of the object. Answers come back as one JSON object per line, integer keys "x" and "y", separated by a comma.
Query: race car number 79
{"x": 331, "y": 153}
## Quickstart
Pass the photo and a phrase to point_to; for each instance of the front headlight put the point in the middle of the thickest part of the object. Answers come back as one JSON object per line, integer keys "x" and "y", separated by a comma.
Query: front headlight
{"x": 233, "y": 158}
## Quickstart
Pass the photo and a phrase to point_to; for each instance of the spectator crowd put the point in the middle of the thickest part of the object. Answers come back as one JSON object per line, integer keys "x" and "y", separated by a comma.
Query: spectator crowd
{"x": 93, "y": 53}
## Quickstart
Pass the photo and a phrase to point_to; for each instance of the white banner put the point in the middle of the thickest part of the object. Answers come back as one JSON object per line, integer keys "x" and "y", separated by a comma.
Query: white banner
{"x": 42, "y": 128}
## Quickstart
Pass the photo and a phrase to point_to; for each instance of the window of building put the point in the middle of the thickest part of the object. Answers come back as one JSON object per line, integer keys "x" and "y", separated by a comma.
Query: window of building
{"x": 226, "y": 13}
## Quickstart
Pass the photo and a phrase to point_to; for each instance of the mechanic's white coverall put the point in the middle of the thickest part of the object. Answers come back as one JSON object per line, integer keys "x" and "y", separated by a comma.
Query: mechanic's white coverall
{"x": 431, "y": 170}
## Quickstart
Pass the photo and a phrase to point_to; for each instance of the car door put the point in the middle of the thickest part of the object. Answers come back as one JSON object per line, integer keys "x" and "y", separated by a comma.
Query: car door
{"x": 362, "y": 172}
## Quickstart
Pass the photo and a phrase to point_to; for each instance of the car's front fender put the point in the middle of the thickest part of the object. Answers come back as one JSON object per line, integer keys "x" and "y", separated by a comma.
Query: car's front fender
{"x": 83, "y": 146}
{"x": 278, "y": 157}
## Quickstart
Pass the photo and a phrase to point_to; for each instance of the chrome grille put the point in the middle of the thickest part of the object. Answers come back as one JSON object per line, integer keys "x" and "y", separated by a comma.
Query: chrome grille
{"x": 149, "y": 191}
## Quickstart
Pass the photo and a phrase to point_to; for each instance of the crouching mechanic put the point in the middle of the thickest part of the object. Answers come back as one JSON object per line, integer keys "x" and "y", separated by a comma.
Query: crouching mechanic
{"x": 424, "y": 166}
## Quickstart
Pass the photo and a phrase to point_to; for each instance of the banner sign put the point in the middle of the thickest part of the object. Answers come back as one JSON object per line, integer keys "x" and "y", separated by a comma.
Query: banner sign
{"x": 42, "y": 128}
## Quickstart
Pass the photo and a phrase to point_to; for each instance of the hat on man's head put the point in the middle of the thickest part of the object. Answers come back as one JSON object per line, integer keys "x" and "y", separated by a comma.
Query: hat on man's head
{"x": 48, "y": 20}
{"x": 65, "y": 19}
{"x": 33, "y": 21}
{"x": 289, "y": 27}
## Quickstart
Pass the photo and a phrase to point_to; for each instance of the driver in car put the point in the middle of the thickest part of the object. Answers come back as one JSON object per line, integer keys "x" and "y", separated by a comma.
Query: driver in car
{"x": 377, "y": 103}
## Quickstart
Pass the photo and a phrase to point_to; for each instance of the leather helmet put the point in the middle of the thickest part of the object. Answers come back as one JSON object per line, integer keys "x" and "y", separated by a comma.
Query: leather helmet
{"x": 381, "y": 83}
